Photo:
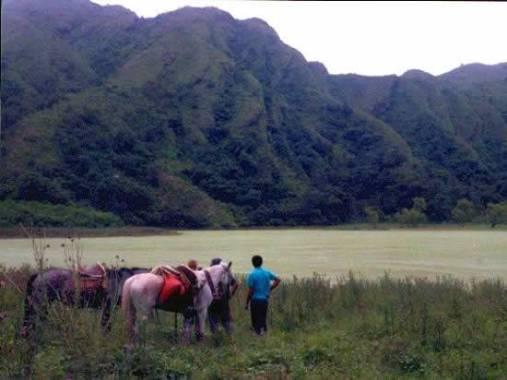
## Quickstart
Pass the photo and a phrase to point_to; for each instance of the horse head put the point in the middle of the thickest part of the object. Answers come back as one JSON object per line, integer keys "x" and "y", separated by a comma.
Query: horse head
{"x": 201, "y": 280}
{"x": 227, "y": 276}
{"x": 219, "y": 277}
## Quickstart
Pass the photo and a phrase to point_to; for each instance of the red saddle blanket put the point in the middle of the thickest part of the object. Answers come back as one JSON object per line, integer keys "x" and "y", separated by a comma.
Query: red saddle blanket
{"x": 172, "y": 286}
{"x": 92, "y": 279}
{"x": 91, "y": 284}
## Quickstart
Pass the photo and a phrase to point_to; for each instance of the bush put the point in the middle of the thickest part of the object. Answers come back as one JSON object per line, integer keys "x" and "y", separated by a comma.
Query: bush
{"x": 464, "y": 212}
{"x": 415, "y": 215}
{"x": 45, "y": 215}
{"x": 372, "y": 215}
{"x": 410, "y": 217}
{"x": 497, "y": 213}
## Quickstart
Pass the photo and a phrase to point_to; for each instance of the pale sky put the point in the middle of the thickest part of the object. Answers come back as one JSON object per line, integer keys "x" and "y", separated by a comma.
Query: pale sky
{"x": 371, "y": 38}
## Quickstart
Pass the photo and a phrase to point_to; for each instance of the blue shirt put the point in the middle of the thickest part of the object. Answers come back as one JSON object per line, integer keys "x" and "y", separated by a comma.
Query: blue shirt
{"x": 260, "y": 281}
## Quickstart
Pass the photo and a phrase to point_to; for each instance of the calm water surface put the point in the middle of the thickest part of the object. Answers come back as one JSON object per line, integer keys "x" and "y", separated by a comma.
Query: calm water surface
{"x": 300, "y": 252}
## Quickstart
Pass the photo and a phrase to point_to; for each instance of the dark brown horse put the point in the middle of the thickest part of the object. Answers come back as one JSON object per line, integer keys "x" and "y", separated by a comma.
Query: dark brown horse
{"x": 94, "y": 287}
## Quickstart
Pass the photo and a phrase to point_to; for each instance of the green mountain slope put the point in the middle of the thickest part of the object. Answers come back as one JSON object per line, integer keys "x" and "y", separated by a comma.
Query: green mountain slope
{"x": 456, "y": 130}
{"x": 196, "y": 119}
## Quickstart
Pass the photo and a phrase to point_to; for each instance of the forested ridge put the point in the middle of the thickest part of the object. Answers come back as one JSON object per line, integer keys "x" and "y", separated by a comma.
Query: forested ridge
{"x": 196, "y": 119}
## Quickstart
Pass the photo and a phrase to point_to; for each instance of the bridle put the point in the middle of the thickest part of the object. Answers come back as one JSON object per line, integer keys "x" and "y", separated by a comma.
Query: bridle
{"x": 216, "y": 290}
{"x": 212, "y": 287}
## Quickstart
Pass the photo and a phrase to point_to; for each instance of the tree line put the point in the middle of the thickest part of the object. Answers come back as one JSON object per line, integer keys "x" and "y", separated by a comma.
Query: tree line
{"x": 464, "y": 212}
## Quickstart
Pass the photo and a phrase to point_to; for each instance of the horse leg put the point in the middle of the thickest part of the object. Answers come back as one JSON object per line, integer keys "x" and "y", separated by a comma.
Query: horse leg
{"x": 175, "y": 331}
{"x": 188, "y": 321}
{"x": 29, "y": 318}
{"x": 226, "y": 317}
{"x": 105, "y": 319}
{"x": 213, "y": 317}
{"x": 146, "y": 309}
{"x": 200, "y": 323}
{"x": 31, "y": 314}
{"x": 30, "y": 310}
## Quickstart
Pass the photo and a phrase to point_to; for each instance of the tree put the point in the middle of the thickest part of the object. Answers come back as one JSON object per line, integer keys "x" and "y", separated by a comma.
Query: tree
{"x": 464, "y": 212}
{"x": 497, "y": 213}
{"x": 372, "y": 215}
{"x": 411, "y": 217}
{"x": 419, "y": 204}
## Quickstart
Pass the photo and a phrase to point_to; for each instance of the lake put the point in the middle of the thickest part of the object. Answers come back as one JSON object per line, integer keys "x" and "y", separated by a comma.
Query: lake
{"x": 464, "y": 254}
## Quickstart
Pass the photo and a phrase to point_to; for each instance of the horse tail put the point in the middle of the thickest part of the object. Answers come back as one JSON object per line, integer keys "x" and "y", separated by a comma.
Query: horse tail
{"x": 126, "y": 302}
{"x": 29, "y": 305}
{"x": 128, "y": 307}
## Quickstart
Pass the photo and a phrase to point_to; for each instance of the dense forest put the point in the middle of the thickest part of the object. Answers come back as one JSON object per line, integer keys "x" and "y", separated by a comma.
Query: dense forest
{"x": 196, "y": 119}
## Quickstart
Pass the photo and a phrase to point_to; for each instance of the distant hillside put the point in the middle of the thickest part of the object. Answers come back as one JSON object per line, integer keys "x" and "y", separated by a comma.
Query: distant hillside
{"x": 196, "y": 119}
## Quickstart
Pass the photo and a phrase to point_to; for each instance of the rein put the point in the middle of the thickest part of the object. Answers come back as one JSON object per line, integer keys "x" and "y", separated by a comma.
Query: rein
{"x": 211, "y": 285}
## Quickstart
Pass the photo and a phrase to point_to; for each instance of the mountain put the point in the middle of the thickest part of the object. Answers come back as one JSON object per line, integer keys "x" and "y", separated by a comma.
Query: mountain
{"x": 476, "y": 74}
{"x": 195, "y": 119}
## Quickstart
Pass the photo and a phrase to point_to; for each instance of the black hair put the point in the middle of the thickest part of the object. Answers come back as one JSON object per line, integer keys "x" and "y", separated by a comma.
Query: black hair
{"x": 216, "y": 261}
{"x": 257, "y": 261}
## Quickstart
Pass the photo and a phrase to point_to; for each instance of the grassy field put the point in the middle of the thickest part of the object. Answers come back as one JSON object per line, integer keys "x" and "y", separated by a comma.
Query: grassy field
{"x": 464, "y": 254}
{"x": 353, "y": 329}
{"x": 451, "y": 324}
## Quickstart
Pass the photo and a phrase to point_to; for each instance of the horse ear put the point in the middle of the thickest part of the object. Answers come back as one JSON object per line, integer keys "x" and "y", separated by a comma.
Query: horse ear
{"x": 230, "y": 265}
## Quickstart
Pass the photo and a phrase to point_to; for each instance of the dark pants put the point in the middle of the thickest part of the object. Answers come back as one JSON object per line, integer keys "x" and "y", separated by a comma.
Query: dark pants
{"x": 259, "y": 311}
{"x": 219, "y": 312}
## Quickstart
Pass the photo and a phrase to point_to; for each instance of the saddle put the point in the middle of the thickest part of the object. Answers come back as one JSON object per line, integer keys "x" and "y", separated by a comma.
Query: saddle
{"x": 178, "y": 281}
{"x": 189, "y": 275}
{"x": 91, "y": 279}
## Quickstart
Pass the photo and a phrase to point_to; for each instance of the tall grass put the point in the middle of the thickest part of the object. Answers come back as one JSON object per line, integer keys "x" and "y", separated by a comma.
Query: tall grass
{"x": 350, "y": 328}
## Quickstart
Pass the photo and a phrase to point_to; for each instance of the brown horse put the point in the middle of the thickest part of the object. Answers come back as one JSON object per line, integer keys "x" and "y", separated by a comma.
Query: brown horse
{"x": 95, "y": 287}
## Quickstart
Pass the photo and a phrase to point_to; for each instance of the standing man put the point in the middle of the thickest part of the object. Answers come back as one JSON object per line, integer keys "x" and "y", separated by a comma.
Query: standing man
{"x": 260, "y": 284}
{"x": 219, "y": 312}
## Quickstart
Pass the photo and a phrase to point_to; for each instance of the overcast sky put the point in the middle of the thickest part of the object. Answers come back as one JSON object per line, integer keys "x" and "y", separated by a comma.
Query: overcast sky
{"x": 371, "y": 38}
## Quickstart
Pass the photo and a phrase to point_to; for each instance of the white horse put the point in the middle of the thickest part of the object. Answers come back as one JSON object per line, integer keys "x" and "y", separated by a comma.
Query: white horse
{"x": 140, "y": 295}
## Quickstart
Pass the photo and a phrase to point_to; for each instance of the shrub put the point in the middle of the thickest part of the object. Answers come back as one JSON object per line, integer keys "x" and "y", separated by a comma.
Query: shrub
{"x": 497, "y": 213}
{"x": 372, "y": 215}
{"x": 410, "y": 217}
{"x": 464, "y": 212}
{"x": 37, "y": 214}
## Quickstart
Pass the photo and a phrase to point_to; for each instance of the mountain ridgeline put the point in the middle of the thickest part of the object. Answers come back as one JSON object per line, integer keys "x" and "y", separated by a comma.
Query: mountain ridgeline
{"x": 196, "y": 119}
